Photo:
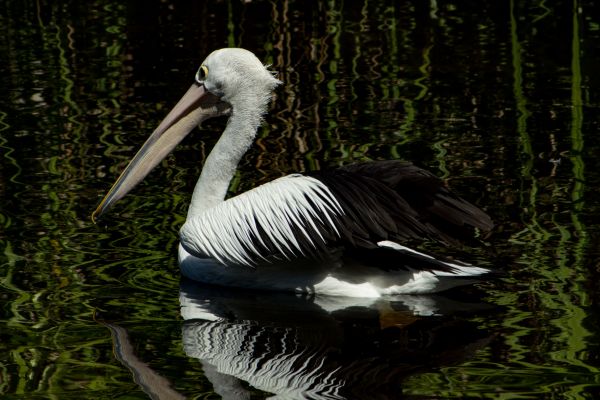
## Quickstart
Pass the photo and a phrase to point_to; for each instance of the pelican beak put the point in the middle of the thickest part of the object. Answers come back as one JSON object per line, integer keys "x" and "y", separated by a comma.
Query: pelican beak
{"x": 196, "y": 105}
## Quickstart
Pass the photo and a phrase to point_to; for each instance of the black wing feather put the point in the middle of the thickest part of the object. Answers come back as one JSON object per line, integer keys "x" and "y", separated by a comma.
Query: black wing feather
{"x": 395, "y": 200}
{"x": 424, "y": 191}
{"x": 387, "y": 200}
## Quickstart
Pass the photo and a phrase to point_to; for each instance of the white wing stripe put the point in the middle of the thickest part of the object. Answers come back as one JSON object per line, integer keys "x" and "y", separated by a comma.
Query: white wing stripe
{"x": 457, "y": 270}
{"x": 229, "y": 232}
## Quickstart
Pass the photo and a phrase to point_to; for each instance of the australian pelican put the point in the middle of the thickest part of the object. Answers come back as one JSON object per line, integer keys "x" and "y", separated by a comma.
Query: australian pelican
{"x": 341, "y": 232}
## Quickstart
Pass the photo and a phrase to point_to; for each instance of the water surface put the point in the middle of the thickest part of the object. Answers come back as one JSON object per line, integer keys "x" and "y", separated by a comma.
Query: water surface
{"x": 499, "y": 99}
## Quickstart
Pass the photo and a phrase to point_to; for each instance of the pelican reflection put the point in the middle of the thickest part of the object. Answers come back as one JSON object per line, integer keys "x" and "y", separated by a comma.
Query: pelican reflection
{"x": 299, "y": 346}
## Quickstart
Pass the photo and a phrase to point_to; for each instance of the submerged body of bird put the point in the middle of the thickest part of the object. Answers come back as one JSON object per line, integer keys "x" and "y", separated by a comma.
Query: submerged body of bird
{"x": 339, "y": 232}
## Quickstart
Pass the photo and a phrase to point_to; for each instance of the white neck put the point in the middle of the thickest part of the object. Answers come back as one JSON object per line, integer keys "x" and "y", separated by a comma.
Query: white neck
{"x": 223, "y": 160}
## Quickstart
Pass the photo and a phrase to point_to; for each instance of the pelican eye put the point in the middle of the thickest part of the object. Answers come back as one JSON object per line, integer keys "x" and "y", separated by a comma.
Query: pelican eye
{"x": 202, "y": 73}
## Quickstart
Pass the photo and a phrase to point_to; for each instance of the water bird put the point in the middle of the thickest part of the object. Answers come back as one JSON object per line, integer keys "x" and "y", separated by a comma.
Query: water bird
{"x": 344, "y": 231}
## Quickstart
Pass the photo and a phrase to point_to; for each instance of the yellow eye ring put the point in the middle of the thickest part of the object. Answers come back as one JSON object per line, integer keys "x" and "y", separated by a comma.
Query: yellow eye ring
{"x": 202, "y": 73}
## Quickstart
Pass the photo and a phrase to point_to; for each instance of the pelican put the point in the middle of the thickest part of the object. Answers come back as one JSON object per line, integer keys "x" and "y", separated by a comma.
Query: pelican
{"x": 344, "y": 231}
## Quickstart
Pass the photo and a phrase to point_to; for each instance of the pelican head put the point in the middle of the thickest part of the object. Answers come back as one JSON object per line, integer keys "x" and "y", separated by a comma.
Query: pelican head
{"x": 229, "y": 82}
{"x": 237, "y": 77}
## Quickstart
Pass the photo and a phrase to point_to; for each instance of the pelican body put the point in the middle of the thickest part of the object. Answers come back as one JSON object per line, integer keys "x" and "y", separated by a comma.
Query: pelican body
{"x": 339, "y": 232}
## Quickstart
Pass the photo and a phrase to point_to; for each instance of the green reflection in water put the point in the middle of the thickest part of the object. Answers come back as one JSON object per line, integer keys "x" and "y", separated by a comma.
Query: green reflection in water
{"x": 557, "y": 307}
{"x": 343, "y": 99}
{"x": 7, "y": 151}
{"x": 575, "y": 332}
{"x": 55, "y": 347}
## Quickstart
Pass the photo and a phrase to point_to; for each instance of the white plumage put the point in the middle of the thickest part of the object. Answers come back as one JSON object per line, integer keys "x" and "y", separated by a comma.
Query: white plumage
{"x": 228, "y": 232}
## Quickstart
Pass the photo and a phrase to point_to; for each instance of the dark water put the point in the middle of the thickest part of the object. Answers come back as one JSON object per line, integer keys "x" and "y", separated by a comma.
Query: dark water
{"x": 500, "y": 99}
